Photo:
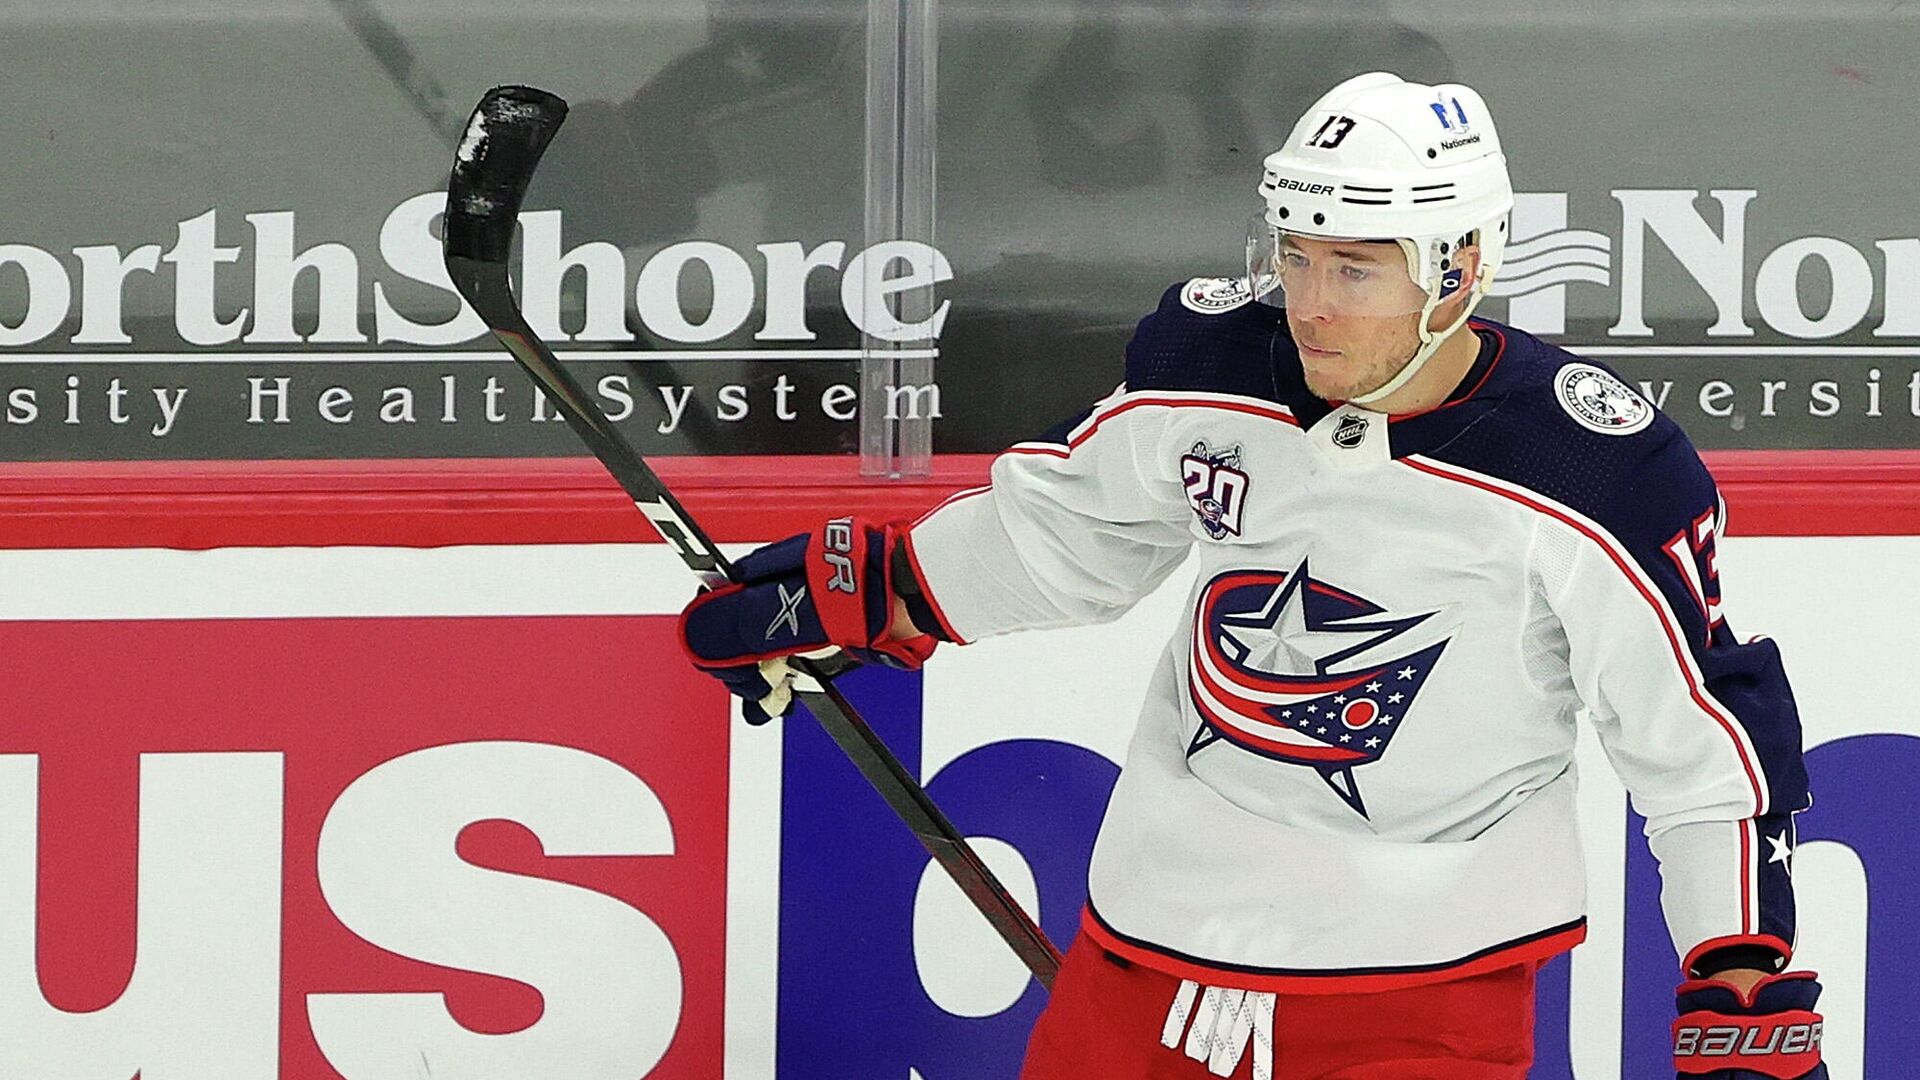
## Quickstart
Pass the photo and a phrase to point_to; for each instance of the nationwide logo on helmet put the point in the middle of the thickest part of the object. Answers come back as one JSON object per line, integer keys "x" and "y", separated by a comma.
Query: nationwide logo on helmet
{"x": 1455, "y": 124}
{"x": 1293, "y": 669}
{"x": 1457, "y": 121}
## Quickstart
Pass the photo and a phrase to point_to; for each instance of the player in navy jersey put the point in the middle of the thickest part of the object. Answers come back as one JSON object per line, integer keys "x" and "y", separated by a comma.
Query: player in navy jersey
{"x": 1344, "y": 837}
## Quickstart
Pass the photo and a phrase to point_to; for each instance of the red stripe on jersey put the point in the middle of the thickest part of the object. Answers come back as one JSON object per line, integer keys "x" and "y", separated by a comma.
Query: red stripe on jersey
{"x": 1293, "y": 752}
{"x": 1092, "y": 423}
{"x": 1499, "y": 352}
{"x": 1251, "y": 682}
{"x": 949, "y": 501}
{"x": 1549, "y": 943}
{"x": 1675, "y": 640}
{"x": 1337, "y": 594}
{"x": 1748, "y": 924}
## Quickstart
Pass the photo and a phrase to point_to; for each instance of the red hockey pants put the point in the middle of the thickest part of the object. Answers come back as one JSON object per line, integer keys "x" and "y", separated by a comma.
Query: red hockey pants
{"x": 1104, "y": 1022}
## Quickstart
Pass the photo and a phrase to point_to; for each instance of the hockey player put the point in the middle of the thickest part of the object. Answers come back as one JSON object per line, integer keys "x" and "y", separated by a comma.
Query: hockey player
{"x": 1344, "y": 836}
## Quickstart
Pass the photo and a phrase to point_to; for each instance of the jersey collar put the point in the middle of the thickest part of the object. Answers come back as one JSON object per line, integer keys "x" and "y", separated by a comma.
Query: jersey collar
{"x": 1355, "y": 435}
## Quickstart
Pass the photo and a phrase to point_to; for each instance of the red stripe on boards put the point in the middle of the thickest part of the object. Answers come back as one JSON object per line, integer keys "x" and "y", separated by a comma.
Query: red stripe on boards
{"x": 430, "y": 502}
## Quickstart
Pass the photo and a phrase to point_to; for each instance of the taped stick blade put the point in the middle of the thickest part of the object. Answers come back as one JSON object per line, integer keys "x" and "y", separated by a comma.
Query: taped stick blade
{"x": 492, "y": 167}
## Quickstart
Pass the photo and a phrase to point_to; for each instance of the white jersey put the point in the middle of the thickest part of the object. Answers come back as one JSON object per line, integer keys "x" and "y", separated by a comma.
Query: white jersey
{"x": 1354, "y": 769}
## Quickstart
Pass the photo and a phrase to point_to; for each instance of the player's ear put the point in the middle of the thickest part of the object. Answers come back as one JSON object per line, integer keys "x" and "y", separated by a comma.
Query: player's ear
{"x": 1466, "y": 260}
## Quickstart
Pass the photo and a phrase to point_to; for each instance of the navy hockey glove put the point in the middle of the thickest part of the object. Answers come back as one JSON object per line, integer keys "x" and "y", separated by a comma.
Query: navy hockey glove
{"x": 807, "y": 594}
{"x": 1771, "y": 1033}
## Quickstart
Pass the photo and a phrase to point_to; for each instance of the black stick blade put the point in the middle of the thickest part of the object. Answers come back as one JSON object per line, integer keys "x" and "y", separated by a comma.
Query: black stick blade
{"x": 492, "y": 167}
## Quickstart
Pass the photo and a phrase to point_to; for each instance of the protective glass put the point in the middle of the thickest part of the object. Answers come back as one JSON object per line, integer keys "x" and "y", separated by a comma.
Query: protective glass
{"x": 1314, "y": 275}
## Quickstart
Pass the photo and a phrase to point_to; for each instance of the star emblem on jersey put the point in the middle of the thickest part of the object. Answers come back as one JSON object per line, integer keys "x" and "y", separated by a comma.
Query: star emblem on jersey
{"x": 1297, "y": 670}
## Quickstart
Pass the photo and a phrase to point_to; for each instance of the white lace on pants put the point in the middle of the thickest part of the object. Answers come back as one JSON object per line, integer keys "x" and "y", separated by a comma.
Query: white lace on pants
{"x": 1223, "y": 1023}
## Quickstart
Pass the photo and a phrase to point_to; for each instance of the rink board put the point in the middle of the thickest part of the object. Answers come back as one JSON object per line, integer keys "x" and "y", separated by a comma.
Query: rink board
{"x": 406, "y": 789}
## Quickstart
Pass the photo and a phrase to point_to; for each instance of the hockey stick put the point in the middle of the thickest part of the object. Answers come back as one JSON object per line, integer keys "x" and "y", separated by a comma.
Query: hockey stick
{"x": 492, "y": 167}
{"x": 396, "y": 58}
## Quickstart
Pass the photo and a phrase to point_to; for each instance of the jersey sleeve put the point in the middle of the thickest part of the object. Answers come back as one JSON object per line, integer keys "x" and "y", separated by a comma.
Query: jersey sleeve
{"x": 1081, "y": 522}
{"x": 1075, "y": 527}
{"x": 1700, "y": 726}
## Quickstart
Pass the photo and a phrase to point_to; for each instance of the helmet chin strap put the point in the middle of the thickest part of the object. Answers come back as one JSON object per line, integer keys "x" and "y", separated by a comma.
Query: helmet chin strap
{"x": 1430, "y": 342}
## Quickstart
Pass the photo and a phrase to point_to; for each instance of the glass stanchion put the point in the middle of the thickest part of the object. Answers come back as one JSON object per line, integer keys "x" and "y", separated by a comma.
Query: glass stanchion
{"x": 898, "y": 396}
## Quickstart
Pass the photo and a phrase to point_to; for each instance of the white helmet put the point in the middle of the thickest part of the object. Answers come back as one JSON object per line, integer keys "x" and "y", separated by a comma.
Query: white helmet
{"x": 1380, "y": 158}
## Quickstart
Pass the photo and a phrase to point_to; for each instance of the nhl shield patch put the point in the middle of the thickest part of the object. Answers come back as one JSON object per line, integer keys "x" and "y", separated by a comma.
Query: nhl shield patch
{"x": 1351, "y": 432}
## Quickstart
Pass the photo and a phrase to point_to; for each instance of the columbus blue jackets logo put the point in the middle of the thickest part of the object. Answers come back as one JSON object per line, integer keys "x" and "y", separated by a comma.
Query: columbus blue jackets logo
{"x": 1216, "y": 488}
{"x": 1300, "y": 671}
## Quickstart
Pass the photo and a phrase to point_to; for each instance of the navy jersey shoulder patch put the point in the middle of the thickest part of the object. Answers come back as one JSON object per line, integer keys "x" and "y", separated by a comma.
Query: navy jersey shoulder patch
{"x": 1574, "y": 431}
{"x": 1599, "y": 400}
{"x": 1207, "y": 335}
{"x": 1211, "y": 296}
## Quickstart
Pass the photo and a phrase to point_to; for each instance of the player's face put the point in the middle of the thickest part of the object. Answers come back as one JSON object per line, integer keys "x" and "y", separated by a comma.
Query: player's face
{"x": 1353, "y": 311}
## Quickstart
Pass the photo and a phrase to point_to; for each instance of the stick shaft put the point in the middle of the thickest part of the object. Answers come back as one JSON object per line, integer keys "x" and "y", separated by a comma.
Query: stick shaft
{"x": 495, "y": 161}
{"x": 399, "y": 61}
